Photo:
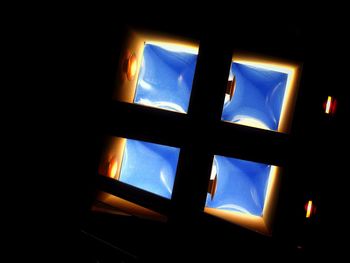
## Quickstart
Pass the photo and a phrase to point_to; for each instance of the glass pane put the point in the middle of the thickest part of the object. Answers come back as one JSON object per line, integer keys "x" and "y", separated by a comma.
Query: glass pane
{"x": 166, "y": 76}
{"x": 238, "y": 185}
{"x": 257, "y": 94}
{"x": 148, "y": 166}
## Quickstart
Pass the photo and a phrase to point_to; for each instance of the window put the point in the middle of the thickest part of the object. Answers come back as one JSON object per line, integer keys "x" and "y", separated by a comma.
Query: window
{"x": 157, "y": 71}
{"x": 242, "y": 191}
{"x": 182, "y": 138}
{"x": 124, "y": 161}
{"x": 166, "y": 75}
{"x": 258, "y": 93}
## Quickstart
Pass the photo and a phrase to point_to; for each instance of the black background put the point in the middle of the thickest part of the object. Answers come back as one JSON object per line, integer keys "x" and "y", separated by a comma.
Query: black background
{"x": 85, "y": 51}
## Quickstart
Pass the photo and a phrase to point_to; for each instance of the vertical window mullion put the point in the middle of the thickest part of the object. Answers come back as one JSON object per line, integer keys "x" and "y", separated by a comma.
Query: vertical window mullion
{"x": 204, "y": 113}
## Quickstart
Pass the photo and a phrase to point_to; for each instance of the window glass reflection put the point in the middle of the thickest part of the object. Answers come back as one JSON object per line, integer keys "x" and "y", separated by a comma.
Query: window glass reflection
{"x": 166, "y": 76}
{"x": 148, "y": 166}
{"x": 238, "y": 185}
{"x": 255, "y": 94}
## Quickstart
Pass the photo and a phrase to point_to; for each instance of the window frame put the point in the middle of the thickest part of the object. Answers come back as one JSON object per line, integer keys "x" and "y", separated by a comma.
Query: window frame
{"x": 184, "y": 131}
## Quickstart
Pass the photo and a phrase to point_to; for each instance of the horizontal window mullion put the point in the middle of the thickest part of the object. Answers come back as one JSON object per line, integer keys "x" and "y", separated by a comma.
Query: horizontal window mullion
{"x": 148, "y": 124}
{"x": 250, "y": 143}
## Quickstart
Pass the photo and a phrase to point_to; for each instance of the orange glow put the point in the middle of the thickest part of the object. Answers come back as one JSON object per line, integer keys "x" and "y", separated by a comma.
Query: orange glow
{"x": 131, "y": 67}
{"x": 112, "y": 167}
{"x": 255, "y": 223}
{"x": 111, "y": 157}
{"x": 309, "y": 209}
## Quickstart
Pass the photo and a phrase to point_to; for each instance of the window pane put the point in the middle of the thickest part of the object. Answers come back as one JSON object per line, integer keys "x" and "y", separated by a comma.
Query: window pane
{"x": 237, "y": 185}
{"x": 166, "y": 76}
{"x": 148, "y": 166}
{"x": 257, "y": 94}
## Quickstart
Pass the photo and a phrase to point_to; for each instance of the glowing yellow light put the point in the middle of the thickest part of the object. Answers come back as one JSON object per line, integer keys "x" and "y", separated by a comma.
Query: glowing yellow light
{"x": 252, "y": 122}
{"x": 131, "y": 67}
{"x": 328, "y": 104}
{"x": 309, "y": 209}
